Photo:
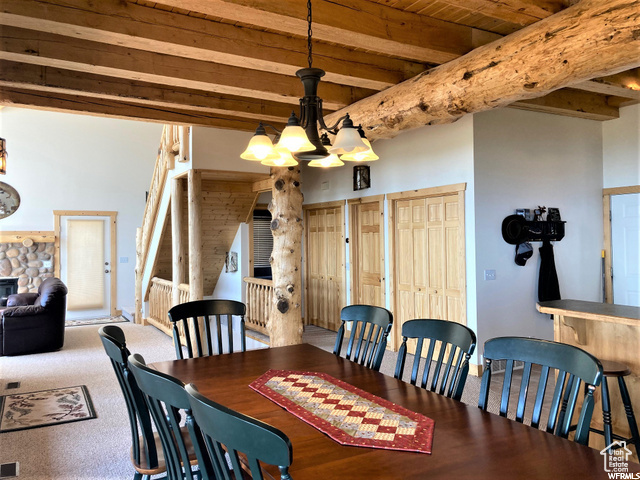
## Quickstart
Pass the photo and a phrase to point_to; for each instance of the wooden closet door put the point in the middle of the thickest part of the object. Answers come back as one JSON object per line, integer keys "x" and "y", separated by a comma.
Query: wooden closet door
{"x": 367, "y": 251}
{"x": 429, "y": 260}
{"x": 325, "y": 266}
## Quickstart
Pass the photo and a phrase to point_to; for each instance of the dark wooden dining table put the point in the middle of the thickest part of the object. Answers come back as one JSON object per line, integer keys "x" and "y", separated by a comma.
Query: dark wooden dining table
{"x": 468, "y": 443}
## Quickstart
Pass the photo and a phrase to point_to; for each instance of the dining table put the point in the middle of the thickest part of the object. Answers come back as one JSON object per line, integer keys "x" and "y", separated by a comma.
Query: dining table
{"x": 467, "y": 442}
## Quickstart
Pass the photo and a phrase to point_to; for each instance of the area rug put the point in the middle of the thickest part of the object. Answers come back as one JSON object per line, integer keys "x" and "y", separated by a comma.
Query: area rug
{"x": 95, "y": 321}
{"x": 348, "y": 415}
{"x": 22, "y": 411}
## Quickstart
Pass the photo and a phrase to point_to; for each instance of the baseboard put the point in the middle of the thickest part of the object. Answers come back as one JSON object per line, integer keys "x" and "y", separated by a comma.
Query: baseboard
{"x": 475, "y": 370}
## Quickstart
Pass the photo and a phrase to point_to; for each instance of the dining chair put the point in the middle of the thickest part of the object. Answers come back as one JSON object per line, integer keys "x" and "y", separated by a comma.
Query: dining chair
{"x": 458, "y": 339}
{"x": 233, "y": 441}
{"x": 370, "y": 327}
{"x": 146, "y": 454}
{"x": 185, "y": 320}
{"x": 571, "y": 366}
{"x": 166, "y": 398}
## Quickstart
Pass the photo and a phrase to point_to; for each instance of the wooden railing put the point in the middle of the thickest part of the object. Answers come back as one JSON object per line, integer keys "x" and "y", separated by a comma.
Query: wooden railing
{"x": 259, "y": 297}
{"x": 161, "y": 301}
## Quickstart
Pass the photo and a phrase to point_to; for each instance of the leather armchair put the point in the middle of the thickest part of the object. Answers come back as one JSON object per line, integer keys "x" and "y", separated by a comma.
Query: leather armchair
{"x": 34, "y": 322}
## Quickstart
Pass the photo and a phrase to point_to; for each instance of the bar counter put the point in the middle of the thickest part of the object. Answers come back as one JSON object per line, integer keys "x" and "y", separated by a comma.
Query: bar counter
{"x": 609, "y": 332}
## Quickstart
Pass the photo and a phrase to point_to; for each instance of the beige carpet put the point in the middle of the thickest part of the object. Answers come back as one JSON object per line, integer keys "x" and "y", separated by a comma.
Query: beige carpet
{"x": 99, "y": 449}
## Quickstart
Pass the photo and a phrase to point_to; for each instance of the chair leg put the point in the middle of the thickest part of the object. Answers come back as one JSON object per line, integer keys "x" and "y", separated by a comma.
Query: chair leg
{"x": 137, "y": 476}
{"x": 633, "y": 425}
{"x": 606, "y": 413}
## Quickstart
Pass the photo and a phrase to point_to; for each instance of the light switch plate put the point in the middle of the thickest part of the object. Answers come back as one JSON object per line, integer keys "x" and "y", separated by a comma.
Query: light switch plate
{"x": 489, "y": 274}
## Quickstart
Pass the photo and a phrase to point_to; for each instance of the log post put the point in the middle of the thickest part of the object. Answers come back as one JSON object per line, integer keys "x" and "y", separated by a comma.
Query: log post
{"x": 177, "y": 245}
{"x": 285, "y": 319}
{"x": 138, "y": 285}
{"x": 196, "y": 287}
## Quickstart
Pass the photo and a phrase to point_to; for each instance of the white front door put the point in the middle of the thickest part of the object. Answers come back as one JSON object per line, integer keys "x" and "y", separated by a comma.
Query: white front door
{"x": 625, "y": 248}
{"x": 85, "y": 250}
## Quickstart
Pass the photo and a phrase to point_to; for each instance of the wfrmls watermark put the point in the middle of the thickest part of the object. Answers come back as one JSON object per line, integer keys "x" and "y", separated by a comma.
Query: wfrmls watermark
{"x": 616, "y": 461}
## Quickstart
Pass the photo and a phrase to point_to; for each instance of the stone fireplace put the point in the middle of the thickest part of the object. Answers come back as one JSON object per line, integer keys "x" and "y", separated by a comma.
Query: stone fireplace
{"x": 31, "y": 265}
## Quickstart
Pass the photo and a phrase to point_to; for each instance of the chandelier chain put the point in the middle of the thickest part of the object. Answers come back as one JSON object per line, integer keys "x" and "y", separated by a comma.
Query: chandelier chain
{"x": 309, "y": 32}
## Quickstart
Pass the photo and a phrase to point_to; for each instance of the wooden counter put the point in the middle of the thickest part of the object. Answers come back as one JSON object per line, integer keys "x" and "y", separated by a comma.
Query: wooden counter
{"x": 609, "y": 332}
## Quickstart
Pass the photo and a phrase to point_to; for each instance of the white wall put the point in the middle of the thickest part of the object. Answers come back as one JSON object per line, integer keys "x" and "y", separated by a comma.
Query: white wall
{"x": 60, "y": 161}
{"x": 421, "y": 158}
{"x": 621, "y": 149}
{"x": 219, "y": 149}
{"x": 524, "y": 159}
{"x": 230, "y": 285}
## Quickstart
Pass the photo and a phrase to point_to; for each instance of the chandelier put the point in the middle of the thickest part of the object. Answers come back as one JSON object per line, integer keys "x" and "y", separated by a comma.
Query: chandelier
{"x": 300, "y": 139}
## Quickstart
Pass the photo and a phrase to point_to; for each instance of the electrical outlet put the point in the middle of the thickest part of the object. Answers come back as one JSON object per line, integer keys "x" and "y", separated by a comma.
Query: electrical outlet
{"x": 489, "y": 275}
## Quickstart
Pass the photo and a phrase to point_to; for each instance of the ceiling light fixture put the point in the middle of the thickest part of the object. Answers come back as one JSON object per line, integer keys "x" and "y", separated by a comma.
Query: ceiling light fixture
{"x": 300, "y": 138}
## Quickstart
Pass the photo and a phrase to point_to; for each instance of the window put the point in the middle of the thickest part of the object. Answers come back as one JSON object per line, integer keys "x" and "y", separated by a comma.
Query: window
{"x": 262, "y": 243}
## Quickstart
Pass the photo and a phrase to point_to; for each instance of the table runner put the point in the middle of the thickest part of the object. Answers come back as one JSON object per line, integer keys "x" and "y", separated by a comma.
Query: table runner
{"x": 348, "y": 415}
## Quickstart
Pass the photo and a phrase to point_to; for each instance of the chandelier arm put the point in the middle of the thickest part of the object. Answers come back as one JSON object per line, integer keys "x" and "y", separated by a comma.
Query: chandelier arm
{"x": 333, "y": 128}
{"x": 278, "y": 131}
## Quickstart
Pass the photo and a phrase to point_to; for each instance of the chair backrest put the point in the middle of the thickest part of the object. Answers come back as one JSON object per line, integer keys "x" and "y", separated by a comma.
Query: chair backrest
{"x": 114, "y": 343}
{"x": 185, "y": 320}
{"x": 458, "y": 339}
{"x": 370, "y": 327}
{"x": 166, "y": 397}
{"x": 225, "y": 430}
{"x": 572, "y": 366}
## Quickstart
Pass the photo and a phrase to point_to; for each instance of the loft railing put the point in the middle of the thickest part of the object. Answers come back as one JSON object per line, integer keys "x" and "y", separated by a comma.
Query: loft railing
{"x": 161, "y": 301}
{"x": 259, "y": 298}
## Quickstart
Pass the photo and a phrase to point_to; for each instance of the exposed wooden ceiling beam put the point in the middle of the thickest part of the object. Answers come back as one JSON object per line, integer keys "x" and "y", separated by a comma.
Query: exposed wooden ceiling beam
{"x": 571, "y": 103}
{"x": 58, "y": 51}
{"x": 624, "y": 84}
{"x": 590, "y": 39}
{"x": 68, "y": 82}
{"x": 135, "y": 26}
{"x": 114, "y": 109}
{"x": 520, "y": 12}
{"x": 356, "y": 23}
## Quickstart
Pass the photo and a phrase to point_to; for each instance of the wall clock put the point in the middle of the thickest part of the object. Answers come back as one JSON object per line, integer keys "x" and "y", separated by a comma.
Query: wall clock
{"x": 9, "y": 200}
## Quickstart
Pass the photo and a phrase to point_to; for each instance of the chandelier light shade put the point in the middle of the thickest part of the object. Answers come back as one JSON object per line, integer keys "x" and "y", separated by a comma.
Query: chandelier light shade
{"x": 301, "y": 136}
{"x": 294, "y": 138}
{"x": 364, "y": 156}
{"x": 327, "y": 162}
{"x": 3, "y": 156}
{"x": 260, "y": 147}
{"x": 348, "y": 139}
{"x": 285, "y": 159}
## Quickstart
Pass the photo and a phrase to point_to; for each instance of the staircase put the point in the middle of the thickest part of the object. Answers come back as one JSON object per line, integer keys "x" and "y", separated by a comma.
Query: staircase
{"x": 225, "y": 199}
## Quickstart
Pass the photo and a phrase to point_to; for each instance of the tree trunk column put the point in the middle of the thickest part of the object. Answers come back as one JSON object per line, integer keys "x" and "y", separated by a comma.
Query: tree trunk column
{"x": 285, "y": 319}
{"x": 195, "y": 235}
{"x": 177, "y": 245}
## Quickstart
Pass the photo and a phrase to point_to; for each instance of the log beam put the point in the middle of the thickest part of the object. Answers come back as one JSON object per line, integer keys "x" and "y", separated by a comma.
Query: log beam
{"x": 624, "y": 84}
{"x": 135, "y": 26}
{"x": 356, "y": 23}
{"x": 117, "y": 109}
{"x": 67, "y": 82}
{"x": 285, "y": 319}
{"x": 571, "y": 103}
{"x": 590, "y": 39}
{"x": 194, "y": 194}
{"x": 32, "y": 47}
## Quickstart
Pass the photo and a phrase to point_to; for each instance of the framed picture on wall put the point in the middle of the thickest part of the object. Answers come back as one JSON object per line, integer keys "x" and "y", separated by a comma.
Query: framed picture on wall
{"x": 361, "y": 177}
{"x": 231, "y": 262}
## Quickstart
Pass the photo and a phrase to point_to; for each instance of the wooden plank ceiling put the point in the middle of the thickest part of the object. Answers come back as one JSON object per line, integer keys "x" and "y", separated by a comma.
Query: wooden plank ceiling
{"x": 229, "y": 63}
